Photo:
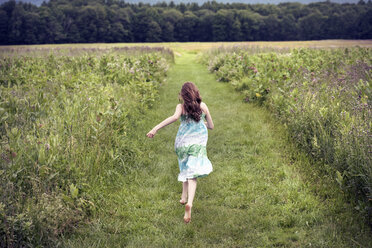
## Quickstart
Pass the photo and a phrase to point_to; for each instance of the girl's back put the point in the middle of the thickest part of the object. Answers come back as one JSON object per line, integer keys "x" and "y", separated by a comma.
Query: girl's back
{"x": 190, "y": 147}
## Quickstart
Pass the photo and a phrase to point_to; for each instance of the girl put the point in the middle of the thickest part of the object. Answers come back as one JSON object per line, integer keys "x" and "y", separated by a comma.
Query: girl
{"x": 191, "y": 142}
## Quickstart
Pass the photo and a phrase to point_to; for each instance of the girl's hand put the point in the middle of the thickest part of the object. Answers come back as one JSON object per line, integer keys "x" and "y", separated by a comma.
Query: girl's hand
{"x": 151, "y": 134}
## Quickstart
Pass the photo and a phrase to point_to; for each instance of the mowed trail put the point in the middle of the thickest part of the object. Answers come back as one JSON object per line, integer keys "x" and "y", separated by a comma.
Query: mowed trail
{"x": 257, "y": 196}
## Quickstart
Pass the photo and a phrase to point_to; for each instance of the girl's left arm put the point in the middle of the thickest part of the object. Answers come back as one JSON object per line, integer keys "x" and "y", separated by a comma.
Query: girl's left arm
{"x": 205, "y": 109}
{"x": 166, "y": 122}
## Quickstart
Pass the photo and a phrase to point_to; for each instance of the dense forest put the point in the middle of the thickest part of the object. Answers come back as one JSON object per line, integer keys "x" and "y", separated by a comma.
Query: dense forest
{"x": 39, "y": 2}
{"x": 88, "y": 21}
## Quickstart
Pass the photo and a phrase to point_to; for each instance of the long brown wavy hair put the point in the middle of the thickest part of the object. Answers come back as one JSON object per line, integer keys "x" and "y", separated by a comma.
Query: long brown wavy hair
{"x": 191, "y": 100}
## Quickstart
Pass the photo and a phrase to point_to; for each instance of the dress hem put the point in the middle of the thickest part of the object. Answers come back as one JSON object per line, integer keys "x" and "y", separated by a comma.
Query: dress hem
{"x": 184, "y": 179}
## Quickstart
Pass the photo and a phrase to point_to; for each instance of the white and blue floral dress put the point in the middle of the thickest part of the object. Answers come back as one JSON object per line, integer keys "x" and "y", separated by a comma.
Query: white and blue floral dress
{"x": 191, "y": 149}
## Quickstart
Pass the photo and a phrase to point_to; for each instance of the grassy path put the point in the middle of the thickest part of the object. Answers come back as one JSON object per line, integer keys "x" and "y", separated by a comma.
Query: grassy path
{"x": 257, "y": 196}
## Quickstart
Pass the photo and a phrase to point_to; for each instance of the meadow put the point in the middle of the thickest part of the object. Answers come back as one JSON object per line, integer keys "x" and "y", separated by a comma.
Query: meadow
{"x": 323, "y": 97}
{"x": 65, "y": 121}
{"x": 78, "y": 170}
{"x": 195, "y": 46}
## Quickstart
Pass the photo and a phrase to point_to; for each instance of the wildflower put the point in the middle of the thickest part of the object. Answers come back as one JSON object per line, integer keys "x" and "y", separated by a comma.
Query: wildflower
{"x": 254, "y": 69}
{"x": 258, "y": 95}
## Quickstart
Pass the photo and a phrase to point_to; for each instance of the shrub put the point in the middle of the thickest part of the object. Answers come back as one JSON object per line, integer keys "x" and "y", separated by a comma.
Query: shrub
{"x": 65, "y": 123}
{"x": 322, "y": 96}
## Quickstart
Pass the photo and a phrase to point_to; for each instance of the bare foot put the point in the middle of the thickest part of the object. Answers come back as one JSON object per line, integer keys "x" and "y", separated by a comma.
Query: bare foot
{"x": 183, "y": 201}
{"x": 187, "y": 217}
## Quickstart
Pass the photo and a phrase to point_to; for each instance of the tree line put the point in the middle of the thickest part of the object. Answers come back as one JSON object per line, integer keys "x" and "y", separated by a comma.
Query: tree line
{"x": 88, "y": 21}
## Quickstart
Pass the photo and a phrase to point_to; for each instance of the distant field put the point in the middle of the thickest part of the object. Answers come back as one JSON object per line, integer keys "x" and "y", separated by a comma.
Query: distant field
{"x": 200, "y": 46}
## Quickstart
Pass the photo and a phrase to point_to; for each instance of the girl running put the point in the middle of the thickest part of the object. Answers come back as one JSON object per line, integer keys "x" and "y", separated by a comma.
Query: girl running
{"x": 191, "y": 142}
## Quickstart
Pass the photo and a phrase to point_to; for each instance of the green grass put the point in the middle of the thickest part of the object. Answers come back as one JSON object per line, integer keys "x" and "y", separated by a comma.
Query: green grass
{"x": 262, "y": 192}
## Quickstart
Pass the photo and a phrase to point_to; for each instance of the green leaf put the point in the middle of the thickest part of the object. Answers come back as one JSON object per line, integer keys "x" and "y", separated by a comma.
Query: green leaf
{"x": 339, "y": 178}
{"x": 74, "y": 191}
{"x": 41, "y": 157}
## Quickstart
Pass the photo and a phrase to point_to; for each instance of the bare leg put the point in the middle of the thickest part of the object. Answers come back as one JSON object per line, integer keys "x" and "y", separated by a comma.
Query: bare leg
{"x": 185, "y": 186}
{"x": 191, "y": 193}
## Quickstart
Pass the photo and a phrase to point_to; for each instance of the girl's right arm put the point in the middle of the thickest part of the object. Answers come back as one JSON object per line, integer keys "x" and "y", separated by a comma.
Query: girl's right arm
{"x": 166, "y": 122}
{"x": 205, "y": 109}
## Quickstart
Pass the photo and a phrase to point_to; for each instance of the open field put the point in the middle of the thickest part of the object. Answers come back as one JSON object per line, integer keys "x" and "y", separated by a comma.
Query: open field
{"x": 322, "y": 96}
{"x": 263, "y": 191}
{"x": 74, "y": 144}
{"x": 64, "y": 125}
{"x": 201, "y": 46}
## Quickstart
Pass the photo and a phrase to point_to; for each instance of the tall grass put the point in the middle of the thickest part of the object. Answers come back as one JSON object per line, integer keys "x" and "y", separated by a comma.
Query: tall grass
{"x": 324, "y": 99}
{"x": 263, "y": 192}
{"x": 238, "y": 48}
{"x": 71, "y": 51}
{"x": 65, "y": 123}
